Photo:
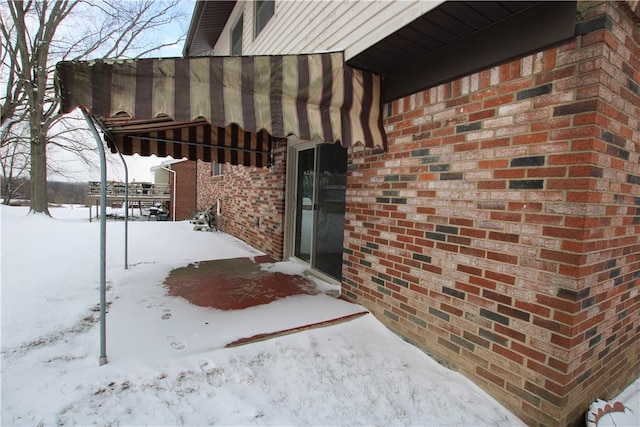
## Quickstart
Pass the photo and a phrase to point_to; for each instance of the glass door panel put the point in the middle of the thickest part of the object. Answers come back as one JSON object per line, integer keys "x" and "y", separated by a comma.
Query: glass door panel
{"x": 320, "y": 193}
{"x": 331, "y": 185}
{"x": 305, "y": 178}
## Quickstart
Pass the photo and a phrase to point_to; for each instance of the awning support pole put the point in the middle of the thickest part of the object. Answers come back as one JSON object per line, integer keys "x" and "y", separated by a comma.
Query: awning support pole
{"x": 103, "y": 238}
{"x": 126, "y": 211}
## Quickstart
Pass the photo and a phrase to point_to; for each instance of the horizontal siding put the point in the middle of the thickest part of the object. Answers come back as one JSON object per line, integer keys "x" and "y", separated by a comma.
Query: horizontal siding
{"x": 382, "y": 20}
{"x": 317, "y": 26}
{"x": 290, "y": 29}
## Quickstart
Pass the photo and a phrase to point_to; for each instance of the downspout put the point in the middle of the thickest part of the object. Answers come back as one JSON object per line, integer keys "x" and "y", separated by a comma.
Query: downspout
{"x": 103, "y": 238}
{"x": 126, "y": 210}
{"x": 175, "y": 196}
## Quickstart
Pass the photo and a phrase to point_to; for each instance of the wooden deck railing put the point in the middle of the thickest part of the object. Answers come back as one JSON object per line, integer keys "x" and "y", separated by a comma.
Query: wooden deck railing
{"x": 137, "y": 190}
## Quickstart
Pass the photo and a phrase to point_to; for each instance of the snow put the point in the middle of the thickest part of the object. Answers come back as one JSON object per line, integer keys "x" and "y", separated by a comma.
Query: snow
{"x": 167, "y": 360}
{"x": 630, "y": 398}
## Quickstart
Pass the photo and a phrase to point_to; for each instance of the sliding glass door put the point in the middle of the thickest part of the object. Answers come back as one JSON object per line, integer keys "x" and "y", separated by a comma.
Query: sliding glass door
{"x": 320, "y": 189}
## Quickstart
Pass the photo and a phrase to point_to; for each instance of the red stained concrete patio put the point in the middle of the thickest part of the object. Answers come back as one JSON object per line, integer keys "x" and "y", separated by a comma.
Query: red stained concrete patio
{"x": 240, "y": 283}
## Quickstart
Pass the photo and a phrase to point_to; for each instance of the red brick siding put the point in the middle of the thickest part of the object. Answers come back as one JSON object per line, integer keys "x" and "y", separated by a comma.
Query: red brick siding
{"x": 252, "y": 201}
{"x": 501, "y": 230}
{"x": 185, "y": 189}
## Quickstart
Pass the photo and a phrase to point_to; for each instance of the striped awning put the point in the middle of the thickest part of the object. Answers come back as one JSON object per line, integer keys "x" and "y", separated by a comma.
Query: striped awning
{"x": 224, "y": 109}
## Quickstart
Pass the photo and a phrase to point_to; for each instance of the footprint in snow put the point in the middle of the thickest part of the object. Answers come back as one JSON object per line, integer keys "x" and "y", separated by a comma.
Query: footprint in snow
{"x": 207, "y": 366}
{"x": 176, "y": 343}
{"x": 215, "y": 375}
{"x": 166, "y": 314}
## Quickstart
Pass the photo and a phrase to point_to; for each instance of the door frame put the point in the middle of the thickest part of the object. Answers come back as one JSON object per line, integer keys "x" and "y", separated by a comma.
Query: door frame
{"x": 294, "y": 145}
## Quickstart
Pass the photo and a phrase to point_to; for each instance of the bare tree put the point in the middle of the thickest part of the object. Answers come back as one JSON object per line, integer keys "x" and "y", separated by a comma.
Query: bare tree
{"x": 14, "y": 159}
{"x": 40, "y": 33}
{"x": 14, "y": 94}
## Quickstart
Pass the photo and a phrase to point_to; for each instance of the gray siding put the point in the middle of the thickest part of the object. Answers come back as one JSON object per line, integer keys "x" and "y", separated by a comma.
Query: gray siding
{"x": 321, "y": 26}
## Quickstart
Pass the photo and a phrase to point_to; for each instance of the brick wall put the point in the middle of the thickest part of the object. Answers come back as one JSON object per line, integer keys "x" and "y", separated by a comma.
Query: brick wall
{"x": 501, "y": 230}
{"x": 185, "y": 198}
{"x": 252, "y": 201}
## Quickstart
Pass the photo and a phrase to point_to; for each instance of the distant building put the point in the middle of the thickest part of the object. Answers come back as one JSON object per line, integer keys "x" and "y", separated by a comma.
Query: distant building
{"x": 180, "y": 176}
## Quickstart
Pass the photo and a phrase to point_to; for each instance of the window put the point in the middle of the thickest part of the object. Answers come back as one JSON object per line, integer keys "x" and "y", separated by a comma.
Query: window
{"x": 264, "y": 10}
{"x": 217, "y": 169}
{"x": 236, "y": 38}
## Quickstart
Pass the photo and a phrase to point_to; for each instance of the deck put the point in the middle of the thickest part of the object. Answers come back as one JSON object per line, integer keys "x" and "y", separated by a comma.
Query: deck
{"x": 141, "y": 195}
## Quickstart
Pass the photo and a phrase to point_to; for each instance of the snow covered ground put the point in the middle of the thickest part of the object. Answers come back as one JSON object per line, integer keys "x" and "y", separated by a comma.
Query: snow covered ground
{"x": 167, "y": 361}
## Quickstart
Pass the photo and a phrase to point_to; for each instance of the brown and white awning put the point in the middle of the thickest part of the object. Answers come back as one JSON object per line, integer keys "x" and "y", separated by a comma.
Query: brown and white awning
{"x": 225, "y": 109}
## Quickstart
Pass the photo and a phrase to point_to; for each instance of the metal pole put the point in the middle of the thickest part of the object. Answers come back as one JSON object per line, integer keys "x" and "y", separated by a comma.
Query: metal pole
{"x": 126, "y": 211}
{"x": 173, "y": 202}
{"x": 103, "y": 239}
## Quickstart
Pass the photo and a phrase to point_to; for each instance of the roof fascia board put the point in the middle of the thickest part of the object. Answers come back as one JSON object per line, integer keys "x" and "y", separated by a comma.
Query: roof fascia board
{"x": 193, "y": 27}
